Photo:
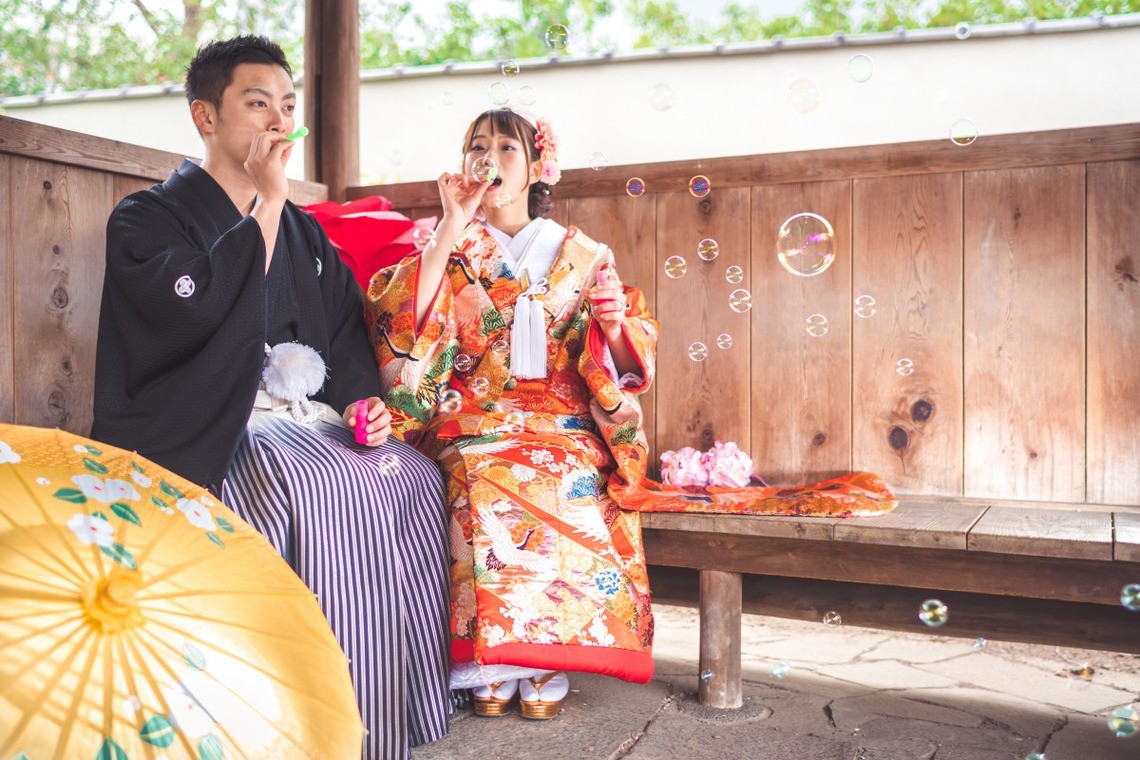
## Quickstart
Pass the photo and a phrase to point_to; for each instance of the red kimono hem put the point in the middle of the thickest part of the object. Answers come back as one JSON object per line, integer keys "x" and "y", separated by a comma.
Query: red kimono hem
{"x": 635, "y": 667}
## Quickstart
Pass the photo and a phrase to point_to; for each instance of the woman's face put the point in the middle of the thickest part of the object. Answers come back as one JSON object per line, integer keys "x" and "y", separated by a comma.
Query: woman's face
{"x": 510, "y": 156}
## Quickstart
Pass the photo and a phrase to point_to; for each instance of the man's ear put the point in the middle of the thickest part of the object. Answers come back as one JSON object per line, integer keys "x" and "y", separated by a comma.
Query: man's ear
{"x": 205, "y": 116}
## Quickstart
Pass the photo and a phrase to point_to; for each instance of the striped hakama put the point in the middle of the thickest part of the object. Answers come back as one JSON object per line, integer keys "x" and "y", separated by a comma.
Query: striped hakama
{"x": 365, "y": 529}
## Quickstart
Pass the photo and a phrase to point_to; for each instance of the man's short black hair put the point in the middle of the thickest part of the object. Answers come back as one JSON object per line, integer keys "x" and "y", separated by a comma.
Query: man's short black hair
{"x": 212, "y": 69}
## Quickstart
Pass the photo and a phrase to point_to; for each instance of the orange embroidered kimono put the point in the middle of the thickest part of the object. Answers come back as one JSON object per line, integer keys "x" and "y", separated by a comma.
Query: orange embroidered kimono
{"x": 546, "y": 477}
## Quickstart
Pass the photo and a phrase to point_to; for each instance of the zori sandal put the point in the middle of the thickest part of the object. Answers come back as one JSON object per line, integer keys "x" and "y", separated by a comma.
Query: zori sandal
{"x": 542, "y": 699}
{"x": 496, "y": 698}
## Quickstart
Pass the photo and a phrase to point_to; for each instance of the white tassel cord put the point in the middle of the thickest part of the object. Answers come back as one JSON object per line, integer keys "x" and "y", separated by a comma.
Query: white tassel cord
{"x": 528, "y": 335}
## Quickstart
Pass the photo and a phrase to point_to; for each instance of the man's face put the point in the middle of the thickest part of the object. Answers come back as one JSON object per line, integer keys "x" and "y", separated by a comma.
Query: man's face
{"x": 259, "y": 99}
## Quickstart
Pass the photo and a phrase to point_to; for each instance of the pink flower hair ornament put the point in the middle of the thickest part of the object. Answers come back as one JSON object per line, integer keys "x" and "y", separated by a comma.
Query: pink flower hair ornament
{"x": 547, "y": 145}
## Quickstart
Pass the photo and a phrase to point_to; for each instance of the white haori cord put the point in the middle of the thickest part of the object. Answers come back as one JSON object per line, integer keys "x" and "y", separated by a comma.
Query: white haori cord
{"x": 528, "y": 334}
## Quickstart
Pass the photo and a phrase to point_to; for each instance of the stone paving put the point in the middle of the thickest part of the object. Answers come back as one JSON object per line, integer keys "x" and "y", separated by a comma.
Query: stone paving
{"x": 847, "y": 694}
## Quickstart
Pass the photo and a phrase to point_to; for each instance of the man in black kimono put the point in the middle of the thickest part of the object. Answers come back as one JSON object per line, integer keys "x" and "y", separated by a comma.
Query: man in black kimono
{"x": 205, "y": 273}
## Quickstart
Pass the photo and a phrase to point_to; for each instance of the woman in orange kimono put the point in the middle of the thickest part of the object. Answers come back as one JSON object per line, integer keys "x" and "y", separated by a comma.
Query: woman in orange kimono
{"x": 505, "y": 349}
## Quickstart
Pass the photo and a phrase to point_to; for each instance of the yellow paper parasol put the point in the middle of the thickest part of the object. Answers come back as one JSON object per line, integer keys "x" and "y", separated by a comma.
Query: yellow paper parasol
{"x": 141, "y": 619}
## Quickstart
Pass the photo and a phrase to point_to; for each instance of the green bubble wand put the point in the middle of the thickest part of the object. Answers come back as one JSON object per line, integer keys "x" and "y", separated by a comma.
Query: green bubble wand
{"x": 301, "y": 132}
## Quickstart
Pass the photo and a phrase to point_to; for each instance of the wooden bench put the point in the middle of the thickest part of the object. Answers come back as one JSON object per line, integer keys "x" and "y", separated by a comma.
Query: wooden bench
{"x": 1032, "y": 572}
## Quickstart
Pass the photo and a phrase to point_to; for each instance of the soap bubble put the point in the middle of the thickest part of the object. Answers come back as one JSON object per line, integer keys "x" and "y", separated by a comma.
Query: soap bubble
{"x": 510, "y": 68}
{"x": 502, "y": 199}
{"x": 557, "y": 36}
{"x": 464, "y": 363}
{"x": 832, "y": 619}
{"x": 740, "y": 300}
{"x": 816, "y": 325}
{"x": 480, "y": 386}
{"x": 448, "y": 97}
{"x": 1035, "y": 756}
{"x": 780, "y": 670}
{"x": 421, "y": 236}
{"x": 1124, "y": 721}
{"x": 865, "y": 306}
{"x": 1130, "y": 597}
{"x": 980, "y": 643}
{"x": 450, "y": 401}
{"x": 661, "y": 97}
{"x": 724, "y": 340}
{"x": 598, "y": 160}
{"x": 501, "y": 347}
{"x": 527, "y": 95}
{"x": 803, "y": 95}
{"x": 963, "y": 132}
{"x": 396, "y": 157}
{"x": 675, "y": 267}
{"x": 387, "y": 463}
{"x": 904, "y": 367}
{"x": 484, "y": 168}
{"x": 499, "y": 93}
{"x": 933, "y": 612}
{"x": 805, "y": 244}
{"x": 962, "y": 30}
{"x": 698, "y": 351}
{"x": 860, "y": 68}
{"x": 635, "y": 187}
{"x": 734, "y": 274}
{"x": 706, "y": 675}
{"x": 515, "y": 422}
{"x": 699, "y": 186}
{"x": 708, "y": 249}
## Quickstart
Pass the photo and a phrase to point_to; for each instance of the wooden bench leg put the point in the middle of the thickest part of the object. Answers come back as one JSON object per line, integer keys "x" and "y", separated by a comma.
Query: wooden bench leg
{"x": 720, "y": 639}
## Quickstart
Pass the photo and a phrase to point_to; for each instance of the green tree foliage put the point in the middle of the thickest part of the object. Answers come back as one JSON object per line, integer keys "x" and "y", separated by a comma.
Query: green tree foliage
{"x": 48, "y": 45}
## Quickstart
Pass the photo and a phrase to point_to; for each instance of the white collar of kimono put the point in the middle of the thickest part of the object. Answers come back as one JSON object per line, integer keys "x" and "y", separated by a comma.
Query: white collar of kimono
{"x": 533, "y": 248}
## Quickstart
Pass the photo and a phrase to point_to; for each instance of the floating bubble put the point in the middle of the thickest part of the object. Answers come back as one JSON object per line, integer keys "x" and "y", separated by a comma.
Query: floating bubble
{"x": 780, "y": 670}
{"x": 904, "y": 367}
{"x": 832, "y": 619}
{"x": 510, "y": 68}
{"x": 396, "y": 157}
{"x": 484, "y": 169}
{"x": 675, "y": 267}
{"x": 980, "y": 643}
{"x": 805, "y": 244}
{"x": 421, "y": 236}
{"x": 661, "y": 97}
{"x": 499, "y": 93}
{"x": 635, "y": 187}
{"x": 699, "y": 186}
{"x": 480, "y": 386}
{"x": 557, "y": 36}
{"x": 527, "y": 95}
{"x": 865, "y": 307}
{"x": 450, "y": 401}
{"x": 734, "y": 274}
{"x": 698, "y": 351}
{"x": 740, "y": 300}
{"x": 803, "y": 95}
{"x": 934, "y": 613}
{"x": 708, "y": 249}
{"x": 1124, "y": 721}
{"x": 963, "y": 132}
{"x": 816, "y": 325}
{"x": 598, "y": 160}
{"x": 501, "y": 347}
{"x": 860, "y": 68}
{"x": 387, "y": 464}
{"x": 464, "y": 363}
{"x": 962, "y": 30}
{"x": 515, "y": 422}
{"x": 1035, "y": 756}
{"x": 448, "y": 97}
{"x": 707, "y": 675}
{"x": 502, "y": 199}
{"x": 1130, "y": 597}
{"x": 724, "y": 340}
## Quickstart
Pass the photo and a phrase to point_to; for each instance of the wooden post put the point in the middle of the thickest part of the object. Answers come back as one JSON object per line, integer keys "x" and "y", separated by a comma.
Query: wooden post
{"x": 720, "y": 639}
{"x": 332, "y": 94}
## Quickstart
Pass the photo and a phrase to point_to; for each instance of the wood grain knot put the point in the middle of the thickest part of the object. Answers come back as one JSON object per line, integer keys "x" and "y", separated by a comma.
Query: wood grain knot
{"x": 47, "y": 184}
{"x": 1017, "y": 214}
{"x": 56, "y": 250}
{"x": 706, "y": 206}
{"x": 921, "y": 410}
{"x": 898, "y": 438}
{"x": 59, "y": 298}
{"x": 66, "y": 366}
{"x": 1032, "y": 454}
{"x": 1125, "y": 272}
{"x": 57, "y": 405}
{"x": 818, "y": 439}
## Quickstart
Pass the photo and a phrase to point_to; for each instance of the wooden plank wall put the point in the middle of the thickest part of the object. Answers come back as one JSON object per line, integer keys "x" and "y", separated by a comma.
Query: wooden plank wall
{"x": 1006, "y": 273}
{"x": 57, "y": 189}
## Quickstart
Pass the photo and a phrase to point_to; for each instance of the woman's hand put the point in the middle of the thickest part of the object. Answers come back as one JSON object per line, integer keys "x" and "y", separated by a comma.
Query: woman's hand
{"x": 607, "y": 303}
{"x": 460, "y": 197}
{"x": 379, "y": 420}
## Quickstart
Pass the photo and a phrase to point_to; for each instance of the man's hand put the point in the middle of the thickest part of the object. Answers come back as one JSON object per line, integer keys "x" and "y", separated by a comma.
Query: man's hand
{"x": 268, "y": 154}
{"x": 379, "y": 420}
